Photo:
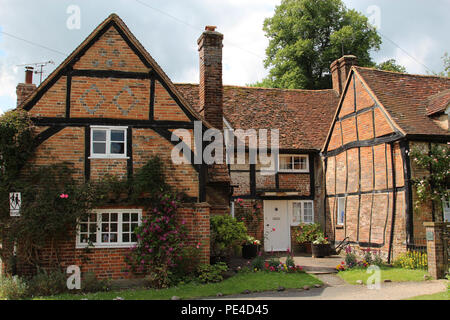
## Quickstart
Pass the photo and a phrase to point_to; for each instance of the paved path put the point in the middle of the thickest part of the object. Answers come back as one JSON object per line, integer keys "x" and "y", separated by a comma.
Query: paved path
{"x": 337, "y": 289}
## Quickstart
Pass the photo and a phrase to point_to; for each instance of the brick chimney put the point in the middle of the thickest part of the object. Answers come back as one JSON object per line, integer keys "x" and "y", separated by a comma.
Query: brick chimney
{"x": 340, "y": 70}
{"x": 23, "y": 90}
{"x": 211, "y": 89}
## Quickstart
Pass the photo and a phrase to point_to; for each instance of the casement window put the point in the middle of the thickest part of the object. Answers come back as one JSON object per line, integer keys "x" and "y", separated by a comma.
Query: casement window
{"x": 301, "y": 212}
{"x": 108, "y": 142}
{"x": 340, "y": 219}
{"x": 293, "y": 163}
{"x": 109, "y": 228}
{"x": 446, "y": 208}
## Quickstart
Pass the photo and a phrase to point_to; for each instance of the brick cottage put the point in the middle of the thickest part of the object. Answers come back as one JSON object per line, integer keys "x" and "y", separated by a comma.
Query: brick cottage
{"x": 343, "y": 158}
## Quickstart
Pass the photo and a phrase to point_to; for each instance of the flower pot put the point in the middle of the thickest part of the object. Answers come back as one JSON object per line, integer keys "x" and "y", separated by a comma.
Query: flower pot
{"x": 320, "y": 250}
{"x": 308, "y": 247}
{"x": 249, "y": 251}
{"x": 299, "y": 248}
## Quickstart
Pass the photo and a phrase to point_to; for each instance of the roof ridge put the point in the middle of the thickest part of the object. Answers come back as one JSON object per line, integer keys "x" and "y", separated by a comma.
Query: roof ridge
{"x": 260, "y": 88}
{"x": 403, "y": 74}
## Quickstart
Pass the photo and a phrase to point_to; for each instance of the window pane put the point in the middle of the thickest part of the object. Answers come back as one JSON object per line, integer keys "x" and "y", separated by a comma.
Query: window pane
{"x": 125, "y": 227}
{"x": 297, "y": 207}
{"x": 125, "y": 237}
{"x": 92, "y": 228}
{"x": 341, "y": 211}
{"x": 113, "y": 216}
{"x": 117, "y": 148}
{"x": 113, "y": 237}
{"x": 126, "y": 217}
{"x": 133, "y": 238}
{"x": 286, "y": 163}
{"x": 134, "y": 217}
{"x": 83, "y": 238}
{"x": 105, "y": 237}
{"x": 117, "y": 135}
{"x": 299, "y": 163}
{"x": 98, "y": 135}
{"x": 83, "y": 227}
{"x": 105, "y": 217}
{"x": 133, "y": 226}
{"x": 99, "y": 148}
{"x": 113, "y": 227}
{"x": 93, "y": 238}
{"x": 308, "y": 212}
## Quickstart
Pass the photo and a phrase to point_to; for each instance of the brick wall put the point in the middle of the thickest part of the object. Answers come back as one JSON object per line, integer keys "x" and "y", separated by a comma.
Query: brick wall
{"x": 109, "y": 263}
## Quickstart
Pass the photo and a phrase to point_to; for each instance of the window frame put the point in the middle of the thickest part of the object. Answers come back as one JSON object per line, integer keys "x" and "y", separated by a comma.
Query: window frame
{"x": 302, "y": 212}
{"x": 306, "y": 156}
{"x": 446, "y": 209}
{"x": 108, "y": 154}
{"x": 98, "y": 243}
{"x": 338, "y": 222}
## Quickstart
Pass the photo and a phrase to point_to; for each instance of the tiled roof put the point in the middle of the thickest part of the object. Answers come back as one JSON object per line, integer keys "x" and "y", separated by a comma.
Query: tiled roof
{"x": 302, "y": 116}
{"x": 406, "y": 97}
{"x": 438, "y": 103}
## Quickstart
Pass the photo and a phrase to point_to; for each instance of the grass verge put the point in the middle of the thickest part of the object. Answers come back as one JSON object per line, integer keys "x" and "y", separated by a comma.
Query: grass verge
{"x": 387, "y": 273}
{"x": 255, "y": 282}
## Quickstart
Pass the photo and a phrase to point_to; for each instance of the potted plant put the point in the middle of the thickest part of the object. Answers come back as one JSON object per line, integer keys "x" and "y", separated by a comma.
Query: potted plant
{"x": 320, "y": 246}
{"x": 305, "y": 234}
{"x": 250, "y": 247}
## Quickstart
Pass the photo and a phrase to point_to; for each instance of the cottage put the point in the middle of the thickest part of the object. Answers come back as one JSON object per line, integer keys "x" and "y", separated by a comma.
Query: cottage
{"x": 368, "y": 171}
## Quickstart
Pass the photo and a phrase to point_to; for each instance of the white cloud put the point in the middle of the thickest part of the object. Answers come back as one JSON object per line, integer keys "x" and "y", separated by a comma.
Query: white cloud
{"x": 418, "y": 54}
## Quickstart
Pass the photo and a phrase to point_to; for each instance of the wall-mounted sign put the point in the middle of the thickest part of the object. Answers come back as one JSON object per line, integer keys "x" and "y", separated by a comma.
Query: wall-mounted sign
{"x": 15, "y": 201}
{"x": 430, "y": 235}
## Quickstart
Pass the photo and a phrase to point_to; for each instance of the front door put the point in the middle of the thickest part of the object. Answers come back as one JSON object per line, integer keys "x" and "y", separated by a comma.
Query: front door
{"x": 276, "y": 226}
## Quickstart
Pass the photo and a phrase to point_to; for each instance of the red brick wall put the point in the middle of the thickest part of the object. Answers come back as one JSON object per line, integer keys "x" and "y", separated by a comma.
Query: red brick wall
{"x": 110, "y": 262}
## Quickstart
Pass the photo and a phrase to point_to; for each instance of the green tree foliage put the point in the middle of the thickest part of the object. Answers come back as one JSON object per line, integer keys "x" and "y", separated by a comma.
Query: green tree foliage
{"x": 306, "y": 36}
{"x": 435, "y": 186}
{"x": 391, "y": 65}
{"x": 446, "y": 60}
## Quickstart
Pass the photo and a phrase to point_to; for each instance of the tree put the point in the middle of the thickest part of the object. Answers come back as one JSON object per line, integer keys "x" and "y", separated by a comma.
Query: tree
{"x": 391, "y": 65}
{"x": 446, "y": 60}
{"x": 306, "y": 36}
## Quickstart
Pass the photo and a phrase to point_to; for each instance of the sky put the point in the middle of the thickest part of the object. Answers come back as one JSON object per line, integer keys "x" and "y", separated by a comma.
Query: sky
{"x": 415, "y": 33}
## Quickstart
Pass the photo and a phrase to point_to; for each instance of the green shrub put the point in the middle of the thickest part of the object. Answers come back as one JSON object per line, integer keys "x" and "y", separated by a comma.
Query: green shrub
{"x": 258, "y": 263}
{"x": 412, "y": 260}
{"x": 211, "y": 272}
{"x": 307, "y": 232}
{"x": 350, "y": 259}
{"x": 90, "y": 283}
{"x": 274, "y": 262}
{"x": 225, "y": 232}
{"x": 290, "y": 261}
{"x": 47, "y": 283}
{"x": 13, "y": 288}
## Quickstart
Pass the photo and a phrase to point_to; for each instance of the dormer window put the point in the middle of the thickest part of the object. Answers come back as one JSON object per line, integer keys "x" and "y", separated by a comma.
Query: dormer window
{"x": 108, "y": 142}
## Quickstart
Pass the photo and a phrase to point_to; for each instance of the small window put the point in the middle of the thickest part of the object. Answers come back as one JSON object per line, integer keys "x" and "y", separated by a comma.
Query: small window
{"x": 341, "y": 212}
{"x": 302, "y": 212}
{"x": 446, "y": 207}
{"x": 109, "y": 228}
{"x": 293, "y": 163}
{"x": 108, "y": 142}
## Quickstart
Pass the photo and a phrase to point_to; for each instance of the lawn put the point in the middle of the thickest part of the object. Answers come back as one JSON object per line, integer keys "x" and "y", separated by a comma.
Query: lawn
{"x": 387, "y": 273}
{"x": 258, "y": 281}
{"x": 445, "y": 295}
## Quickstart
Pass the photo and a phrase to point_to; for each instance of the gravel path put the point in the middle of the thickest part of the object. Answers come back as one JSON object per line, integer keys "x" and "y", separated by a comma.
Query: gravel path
{"x": 337, "y": 289}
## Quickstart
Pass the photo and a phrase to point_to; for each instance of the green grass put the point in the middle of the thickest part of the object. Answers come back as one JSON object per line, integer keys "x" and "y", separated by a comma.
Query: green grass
{"x": 258, "y": 281}
{"x": 387, "y": 273}
{"x": 445, "y": 295}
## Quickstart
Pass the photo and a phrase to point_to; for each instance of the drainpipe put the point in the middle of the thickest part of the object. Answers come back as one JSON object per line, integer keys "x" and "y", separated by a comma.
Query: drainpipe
{"x": 394, "y": 202}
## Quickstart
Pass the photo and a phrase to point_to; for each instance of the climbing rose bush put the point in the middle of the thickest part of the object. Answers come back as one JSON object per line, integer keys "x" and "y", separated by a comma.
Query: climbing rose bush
{"x": 160, "y": 242}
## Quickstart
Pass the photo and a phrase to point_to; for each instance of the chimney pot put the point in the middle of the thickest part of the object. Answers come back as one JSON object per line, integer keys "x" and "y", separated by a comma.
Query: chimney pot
{"x": 210, "y": 28}
{"x": 29, "y": 75}
{"x": 340, "y": 69}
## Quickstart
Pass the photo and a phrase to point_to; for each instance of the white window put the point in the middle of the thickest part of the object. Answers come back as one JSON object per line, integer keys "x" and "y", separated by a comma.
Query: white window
{"x": 293, "y": 163}
{"x": 301, "y": 212}
{"x": 108, "y": 142}
{"x": 109, "y": 228}
{"x": 340, "y": 212}
{"x": 446, "y": 207}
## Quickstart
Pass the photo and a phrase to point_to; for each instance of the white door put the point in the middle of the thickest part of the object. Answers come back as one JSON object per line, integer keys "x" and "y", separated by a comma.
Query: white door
{"x": 276, "y": 226}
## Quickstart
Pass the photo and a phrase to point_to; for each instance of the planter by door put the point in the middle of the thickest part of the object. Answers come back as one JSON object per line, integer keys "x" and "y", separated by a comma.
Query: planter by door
{"x": 320, "y": 250}
{"x": 249, "y": 251}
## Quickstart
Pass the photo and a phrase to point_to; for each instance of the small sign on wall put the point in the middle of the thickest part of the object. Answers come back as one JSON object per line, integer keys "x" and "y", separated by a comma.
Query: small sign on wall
{"x": 15, "y": 201}
{"x": 430, "y": 235}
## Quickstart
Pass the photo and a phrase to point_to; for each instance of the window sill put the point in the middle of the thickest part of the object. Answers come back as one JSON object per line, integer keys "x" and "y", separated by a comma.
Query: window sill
{"x": 105, "y": 246}
{"x": 110, "y": 157}
{"x": 293, "y": 171}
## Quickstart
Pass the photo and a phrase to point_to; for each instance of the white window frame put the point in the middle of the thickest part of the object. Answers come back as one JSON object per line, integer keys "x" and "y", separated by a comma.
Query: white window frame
{"x": 119, "y": 244}
{"x": 108, "y": 154}
{"x": 338, "y": 210}
{"x": 302, "y": 212}
{"x": 292, "y": 169}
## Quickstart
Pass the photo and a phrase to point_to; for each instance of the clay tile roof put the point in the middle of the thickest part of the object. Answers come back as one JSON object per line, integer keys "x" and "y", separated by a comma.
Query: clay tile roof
{"x": 438, "y": 103}
{"x": 302, "y": 116}
{"x": 408, "y": 98}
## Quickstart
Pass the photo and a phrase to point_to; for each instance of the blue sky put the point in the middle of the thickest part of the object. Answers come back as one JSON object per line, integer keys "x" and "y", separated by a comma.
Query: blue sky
{"x": 169, "y": 30}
